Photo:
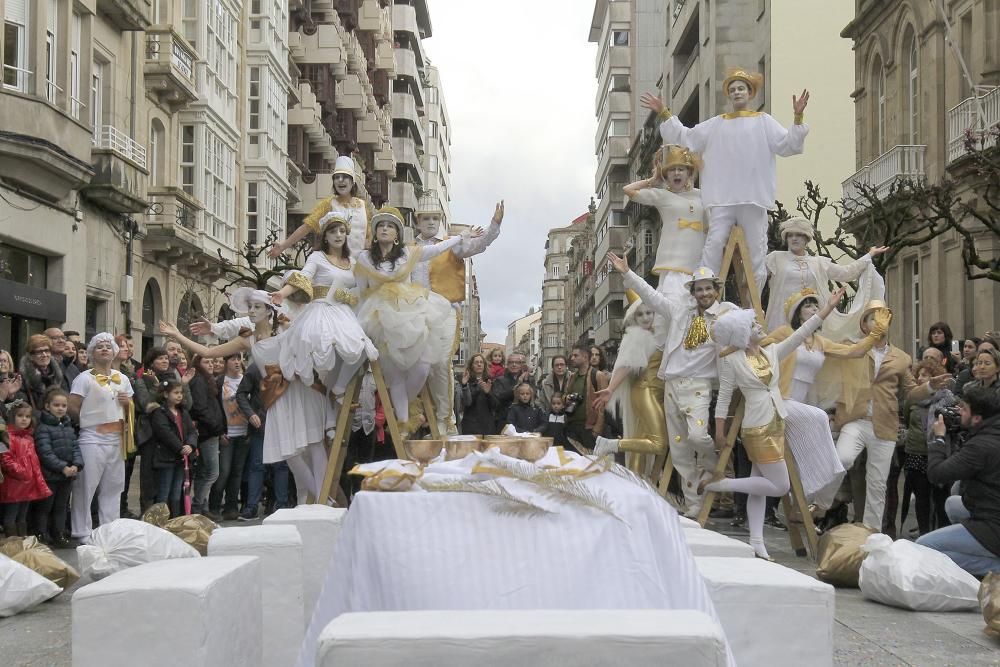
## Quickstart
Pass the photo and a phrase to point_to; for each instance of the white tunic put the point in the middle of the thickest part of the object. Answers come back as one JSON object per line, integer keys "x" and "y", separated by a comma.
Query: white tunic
{"x": 467, "y": 247}
{"x": 100, "y": 404}
{"x": 684, "y": 223}
{"x": 739, "y": 150}
{"x": 357, "y": 215}
{"x": 807, "y": 366}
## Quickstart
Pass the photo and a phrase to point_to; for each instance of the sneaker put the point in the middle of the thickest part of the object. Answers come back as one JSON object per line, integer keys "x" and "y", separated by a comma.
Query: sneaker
{"x": 739, "y": 521}
{"x": 126, "y": 513}
{"x": 774, "y": 522}
{"x": 247, "y": 515}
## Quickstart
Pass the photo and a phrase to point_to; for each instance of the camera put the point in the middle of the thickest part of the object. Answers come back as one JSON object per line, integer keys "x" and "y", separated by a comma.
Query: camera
{"x": 952, "y": 417}
{"x": 572, "y": 400}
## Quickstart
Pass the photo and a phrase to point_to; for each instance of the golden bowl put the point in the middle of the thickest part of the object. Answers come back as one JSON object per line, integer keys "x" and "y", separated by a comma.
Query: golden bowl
{"x": 507, "y": 446}
{"x": 422, "y": 451}
{"x": 533, "y": 449}
{"x": 459, "y": 449}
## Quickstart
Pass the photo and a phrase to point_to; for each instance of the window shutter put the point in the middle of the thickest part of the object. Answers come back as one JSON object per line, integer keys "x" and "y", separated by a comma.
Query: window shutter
{"x": 16, "y": 11}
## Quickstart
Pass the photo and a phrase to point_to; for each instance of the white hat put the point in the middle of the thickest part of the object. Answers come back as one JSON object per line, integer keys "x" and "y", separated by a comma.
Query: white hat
{"x": 389, "y": 214}
{"x": 733, "y": 328}
{"x": 344, "y": 165}
{"x": 703, "y": 273}
{"x": 103, "y": 337}
{"x": 796, "y": 225}
{"x": 242, "y": 297}
{"x": 429, "y": 203}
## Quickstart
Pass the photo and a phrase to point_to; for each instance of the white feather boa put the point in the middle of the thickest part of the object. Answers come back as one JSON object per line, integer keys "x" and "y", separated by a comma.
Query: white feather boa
{"x": 637, "y": 346}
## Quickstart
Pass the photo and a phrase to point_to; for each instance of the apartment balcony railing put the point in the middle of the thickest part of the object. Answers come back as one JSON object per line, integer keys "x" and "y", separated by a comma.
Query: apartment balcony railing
{"x": 963, "y": 118}
{"x": 127, "y": 14}
{"x": 168, "y": 70}
{"x": 898, "y": 163}
{"x": 120, "y": 176}
{"x": 111, "y": 138}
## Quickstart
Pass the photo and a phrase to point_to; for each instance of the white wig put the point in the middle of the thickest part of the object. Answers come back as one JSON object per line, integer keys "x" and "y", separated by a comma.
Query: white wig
{"x": 796, "y": 225}
{"x": 242, "y": 297}
{"x": 733, "y": 328}
{"x": 103, "y": 337}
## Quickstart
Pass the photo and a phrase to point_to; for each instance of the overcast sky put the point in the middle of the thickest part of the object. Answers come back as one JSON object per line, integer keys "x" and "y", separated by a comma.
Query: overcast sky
{"x": 518, "y": 80}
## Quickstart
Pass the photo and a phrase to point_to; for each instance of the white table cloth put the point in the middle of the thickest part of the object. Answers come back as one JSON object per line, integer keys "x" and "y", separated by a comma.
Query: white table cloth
{"x": 423, "y": 550}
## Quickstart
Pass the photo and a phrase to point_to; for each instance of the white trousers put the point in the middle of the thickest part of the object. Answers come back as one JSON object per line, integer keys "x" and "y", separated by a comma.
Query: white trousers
{"x": 103, "y": 475}
{"x": 753, "y": 220}
{"x": 440, "y": 384}
{"x": 854, "y": 437}
{"x": 686, "y": 403}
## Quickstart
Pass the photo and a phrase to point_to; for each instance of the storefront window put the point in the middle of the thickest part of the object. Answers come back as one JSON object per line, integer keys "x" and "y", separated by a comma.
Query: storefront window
{"x": 23, "y": 266}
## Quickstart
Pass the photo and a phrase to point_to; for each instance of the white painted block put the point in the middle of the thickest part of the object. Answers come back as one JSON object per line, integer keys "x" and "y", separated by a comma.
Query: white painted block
{"x": 196, "y": 612}
{"x": 773, "y": 616}
{"x": 319, "y": 526}
{"x": 279, "y": 549}
{"x": 526, "y": 638}
{"x": 689, "y": 524}
{"x": 710, "y": 543}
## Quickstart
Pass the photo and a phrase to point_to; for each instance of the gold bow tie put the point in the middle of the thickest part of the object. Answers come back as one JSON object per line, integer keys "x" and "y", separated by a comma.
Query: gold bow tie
{"x": 690, "y": 224}
{"x": 343, "y": 296}
{"x": 104, "y": 380}
{"x": 697, "y": 333}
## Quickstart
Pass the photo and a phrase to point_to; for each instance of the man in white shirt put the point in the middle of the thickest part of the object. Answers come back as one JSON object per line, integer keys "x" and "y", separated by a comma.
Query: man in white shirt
{"x": 689, "y": 371}
{"x": 738, "y": 181}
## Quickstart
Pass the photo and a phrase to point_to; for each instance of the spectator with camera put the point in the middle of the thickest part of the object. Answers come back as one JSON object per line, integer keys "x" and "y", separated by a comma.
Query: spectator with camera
{"x": 584, "y": 422}
{"x": 974, "y": 544}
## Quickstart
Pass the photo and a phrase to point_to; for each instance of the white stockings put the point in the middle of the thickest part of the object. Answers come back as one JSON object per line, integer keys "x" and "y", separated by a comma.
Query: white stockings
{"x": 766, "y": 479}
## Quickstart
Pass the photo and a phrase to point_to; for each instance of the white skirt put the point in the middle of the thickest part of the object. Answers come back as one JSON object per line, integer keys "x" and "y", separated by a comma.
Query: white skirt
{"x": 807, "y": 433}
{"x": 408, "y": 323}
{"x": 320, "y": 335}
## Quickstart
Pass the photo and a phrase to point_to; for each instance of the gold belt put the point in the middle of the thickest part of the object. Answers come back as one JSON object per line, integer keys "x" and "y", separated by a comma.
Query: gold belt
{"x": 319, "y": 292}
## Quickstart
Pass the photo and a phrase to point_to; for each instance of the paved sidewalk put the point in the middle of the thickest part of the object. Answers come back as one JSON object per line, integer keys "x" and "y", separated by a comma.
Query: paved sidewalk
{"x": 866, "y": 633}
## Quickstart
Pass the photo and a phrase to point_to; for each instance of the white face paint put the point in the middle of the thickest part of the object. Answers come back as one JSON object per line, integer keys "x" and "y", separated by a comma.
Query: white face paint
{"x": 644, "y": 317}
{"x": 757, "y": 332}
{"x": 796, "y": 242}
{"x": 342, "y": 184}
{"x": 428, "y": 224}
{"x": 259, "y": 312}
{"x": 739, "y": 94}
{"x": 336, "y": 235}
{"x": 678, "y": 178}
{"x": 104, "y": 352}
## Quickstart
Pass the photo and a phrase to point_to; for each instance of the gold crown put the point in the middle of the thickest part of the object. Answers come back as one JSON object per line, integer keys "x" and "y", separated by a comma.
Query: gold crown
{"x": 631, "y": 296}
{"x": 752, "y": 79}
{"x": 390, "y": 213}
{"x": 797, "y": 298}
{"x": 337, "y": 217}
{"x": 678, "y": 156}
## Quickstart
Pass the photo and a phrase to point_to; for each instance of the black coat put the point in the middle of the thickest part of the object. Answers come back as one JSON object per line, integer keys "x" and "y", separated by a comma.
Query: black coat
{"x": 977, "y": 466}
{"x": 206, "y": 408}
{"x": 35, "y": 385}
{"x": 168, "y": 440}
{"x": 56, "y": 446}
{"x": 527, "y": 418}
{"x": 478, "y": 419}
{"x": 248, "y": 397}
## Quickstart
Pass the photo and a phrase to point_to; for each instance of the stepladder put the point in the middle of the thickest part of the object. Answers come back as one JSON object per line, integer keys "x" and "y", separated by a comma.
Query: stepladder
{"x": 735, "y": 266}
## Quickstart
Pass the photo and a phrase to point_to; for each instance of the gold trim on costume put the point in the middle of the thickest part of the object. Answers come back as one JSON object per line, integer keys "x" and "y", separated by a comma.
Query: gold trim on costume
{"x": 765, "y": 444}
{"x": 696, "y": 225}
{"x": 664, "y": 115}
{"x": 697, "y": 333}
{"x": 798, "y": 119}
{"x": 301, "y": 283}
{"x": 399, "y": 274}
{"x": 741, "y": 114}
{"x": 320, "y": 292}
{"x": 343, "y": 296}
{"x": 657, "y": 270}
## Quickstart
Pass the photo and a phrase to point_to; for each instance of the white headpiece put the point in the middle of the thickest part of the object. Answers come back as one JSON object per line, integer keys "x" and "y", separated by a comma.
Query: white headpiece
{"x": 429, "y": 204}
{"x": 103, "y": 337}
{"x": 344, "y": 165}
{"x": 733, "y": 328}
{"x": 796, "y": 225}
{"x": 242, "y": 297}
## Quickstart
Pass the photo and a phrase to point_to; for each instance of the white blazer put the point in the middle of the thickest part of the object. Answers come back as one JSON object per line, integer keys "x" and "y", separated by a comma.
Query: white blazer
{"x": 761, "y": 401}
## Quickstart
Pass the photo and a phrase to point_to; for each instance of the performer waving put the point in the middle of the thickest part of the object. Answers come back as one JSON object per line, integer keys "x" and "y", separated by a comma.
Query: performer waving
{"x": 325, "y": 339}
{"x": 754, "y": 370}
{"x": 410, "y": 329}
{"x": 738, "y": 182}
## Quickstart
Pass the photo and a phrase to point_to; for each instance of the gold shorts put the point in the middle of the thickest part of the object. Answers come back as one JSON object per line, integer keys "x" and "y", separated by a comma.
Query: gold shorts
{"x": 765, "y": 444}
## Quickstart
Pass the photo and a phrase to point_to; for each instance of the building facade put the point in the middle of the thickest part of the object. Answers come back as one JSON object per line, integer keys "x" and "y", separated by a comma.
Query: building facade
{"x": 913, "y": 105}
{"x": 517, "y": 329}
{"x": 556, "y": 322}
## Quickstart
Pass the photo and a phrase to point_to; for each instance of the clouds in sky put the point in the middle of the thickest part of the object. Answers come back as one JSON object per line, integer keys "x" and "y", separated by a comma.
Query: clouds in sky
{"x": 519, "y": 84}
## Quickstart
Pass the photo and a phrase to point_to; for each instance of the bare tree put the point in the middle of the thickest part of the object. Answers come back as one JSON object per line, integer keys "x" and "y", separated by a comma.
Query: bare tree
{"x": 257, "y": 269}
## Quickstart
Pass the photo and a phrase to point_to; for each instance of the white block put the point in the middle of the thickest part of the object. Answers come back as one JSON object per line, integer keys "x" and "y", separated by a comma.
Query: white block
{"x": 773, "y": 616}
{"x": 319, "y": 526}
{"x": 196, "y": 612}
{"x": 526, "y": 638}
{"x": 710, "y": 543}
{"x": 280, "y": 551}
{"x": 689, "y": 524}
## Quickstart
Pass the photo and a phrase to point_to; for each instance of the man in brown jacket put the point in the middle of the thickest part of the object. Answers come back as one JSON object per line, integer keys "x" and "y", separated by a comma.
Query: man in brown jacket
{"x": 870, "y": 419}
{"x": 585, "y": 422}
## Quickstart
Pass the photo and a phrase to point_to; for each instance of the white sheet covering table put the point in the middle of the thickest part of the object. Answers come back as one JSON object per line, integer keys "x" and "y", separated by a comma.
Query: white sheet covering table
{"x": 423, "y": 550}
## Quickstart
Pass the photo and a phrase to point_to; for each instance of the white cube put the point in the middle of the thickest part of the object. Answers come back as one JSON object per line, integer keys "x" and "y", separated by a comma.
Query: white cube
{"x": 526, "y": 638}
{"x": 319, "y": 526}
{"x": 689, "y": 524}
{"x": 196, "y": 612}
{"x": 280, "y": 551}
{"x": 773, "y": 616}
{"x": 710, "y": 543}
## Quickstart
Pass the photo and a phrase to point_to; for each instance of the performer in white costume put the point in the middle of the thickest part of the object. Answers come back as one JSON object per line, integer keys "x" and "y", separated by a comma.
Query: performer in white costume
{"x": 682, "y": 217}
{"x": 408, "y": 323}
{"x": 688, "y": 370}
{"x": 325, "y": 341}
{"x": 344, "y": 201}
{"x": 738, "y": 182}
{"x": 754, "y": 370}
{"x": 794, "y": 270}
{"x": 445, "y": 276}
{"x": 298, "y": 416}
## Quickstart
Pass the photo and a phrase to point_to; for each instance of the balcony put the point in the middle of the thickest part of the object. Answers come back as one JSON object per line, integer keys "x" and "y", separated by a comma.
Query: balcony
{"x": 370, "y": 16}
{"x": 898, "y": 163}
{"x": 351, "y": 95}
{"x": 174, "y": 236}
{"x": 344, "y": 129}
{"x": 308, "y": 114}
{"x": 311, "y": 191}
{"x": 378, "y": 188}
{"x": 370, "y": 131}
{"x": 402, "y": 195}
{"x": 127, "y": 15}
{"x": 405, "y": 150}
{"x": 406, "y": 65}
{"x": 963, "y": 119}
{"x": 324, "y": 85}
{"x": 325, "y": 46}
{"x": 120, "y": 175}
{"x": 404, "y": 19}
{"x": 294, "y": 178}
{"x": 169, "y": 68}
{"x": 347, "y": 10}
{"x": 384, "y": 59}
{"x": 385, "y": 160}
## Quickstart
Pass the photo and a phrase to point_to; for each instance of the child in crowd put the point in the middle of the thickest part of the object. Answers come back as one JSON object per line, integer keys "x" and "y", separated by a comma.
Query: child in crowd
{"x": 497, "y": 367}
{"x": 523, "y": 415}
{"x": 175, "y": 437}
{"x": 61, "y": 460}
{"x": 555, "y": 428}
{"x": 23, "y": 481}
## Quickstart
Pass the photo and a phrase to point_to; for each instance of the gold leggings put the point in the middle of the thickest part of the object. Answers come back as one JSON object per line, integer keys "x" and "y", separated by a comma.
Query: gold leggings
{"x": 646, "y": 397}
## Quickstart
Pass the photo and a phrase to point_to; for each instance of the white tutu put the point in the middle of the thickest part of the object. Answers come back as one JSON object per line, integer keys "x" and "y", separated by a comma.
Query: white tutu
{"x": 299, "y": 417}
{"x": 410, "y": 323}
{"x": 807, "y": 433}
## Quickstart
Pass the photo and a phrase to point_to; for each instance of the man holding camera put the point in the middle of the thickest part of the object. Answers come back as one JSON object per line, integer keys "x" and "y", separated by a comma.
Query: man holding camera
{"x": 584, "y": 422}
{"x": 974, "y": 544}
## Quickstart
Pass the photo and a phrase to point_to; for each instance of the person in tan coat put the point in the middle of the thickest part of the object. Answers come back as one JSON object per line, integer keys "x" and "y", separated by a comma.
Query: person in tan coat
{"x": 868, "y": 410}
